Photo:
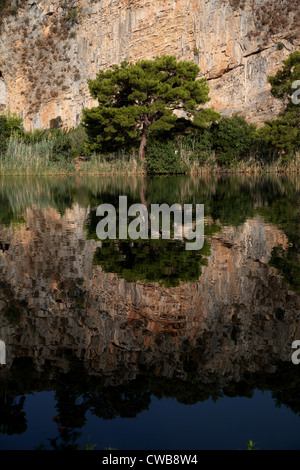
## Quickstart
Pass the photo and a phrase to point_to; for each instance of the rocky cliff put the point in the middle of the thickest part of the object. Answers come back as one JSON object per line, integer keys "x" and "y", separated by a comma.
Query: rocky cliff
{"x": 49, "y": 48}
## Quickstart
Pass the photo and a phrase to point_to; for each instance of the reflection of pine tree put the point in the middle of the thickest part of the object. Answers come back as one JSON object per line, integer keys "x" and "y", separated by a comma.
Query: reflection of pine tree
{"x": 71, "y": 405}
{"x": 123, "y": 402}
{"x": 161, "y": 261}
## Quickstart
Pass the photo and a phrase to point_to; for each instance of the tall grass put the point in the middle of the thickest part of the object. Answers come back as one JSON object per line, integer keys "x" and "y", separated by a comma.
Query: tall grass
{"x": 42, "y": 158}
{"x": 36, "y": 158}
{"x": 253, "y": 164}
{"x": 115, "y": 164}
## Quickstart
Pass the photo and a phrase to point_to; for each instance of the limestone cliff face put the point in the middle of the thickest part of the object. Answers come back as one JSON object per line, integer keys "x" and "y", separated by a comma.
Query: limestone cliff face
{"x": 49, "y": 48}
{"x": 238, "y": 317}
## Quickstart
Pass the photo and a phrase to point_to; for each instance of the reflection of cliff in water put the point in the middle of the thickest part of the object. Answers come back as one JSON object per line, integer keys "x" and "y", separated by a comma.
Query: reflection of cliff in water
{"x": 238, "y": 316}
{"x": 70, "y": 326}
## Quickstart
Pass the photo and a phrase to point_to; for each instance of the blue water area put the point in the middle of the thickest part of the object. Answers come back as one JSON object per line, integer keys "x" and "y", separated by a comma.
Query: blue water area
{"x": 227, "y": 424}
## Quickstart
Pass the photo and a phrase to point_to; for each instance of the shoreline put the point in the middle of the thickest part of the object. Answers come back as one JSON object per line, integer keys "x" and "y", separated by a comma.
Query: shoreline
{"x": 145, "y": 174}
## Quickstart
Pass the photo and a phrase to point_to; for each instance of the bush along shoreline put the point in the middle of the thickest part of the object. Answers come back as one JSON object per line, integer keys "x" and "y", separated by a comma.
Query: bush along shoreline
{"x": 151, "y": 139}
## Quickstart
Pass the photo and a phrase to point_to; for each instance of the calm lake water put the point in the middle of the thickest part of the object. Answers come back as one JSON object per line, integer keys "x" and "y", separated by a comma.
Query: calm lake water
{"x": 143, "y": 344}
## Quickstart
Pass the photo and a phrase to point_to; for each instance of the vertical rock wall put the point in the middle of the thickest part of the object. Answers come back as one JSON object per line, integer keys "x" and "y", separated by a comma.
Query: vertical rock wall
{"x": 49, "y": 48}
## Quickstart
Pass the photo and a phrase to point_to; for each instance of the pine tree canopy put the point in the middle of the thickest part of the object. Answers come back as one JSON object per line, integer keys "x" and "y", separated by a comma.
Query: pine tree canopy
{"x": 135, "y": 99}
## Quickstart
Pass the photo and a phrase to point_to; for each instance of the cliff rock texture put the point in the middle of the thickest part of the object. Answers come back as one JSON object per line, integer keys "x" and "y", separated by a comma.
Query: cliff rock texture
{"x": 49, "y": 48}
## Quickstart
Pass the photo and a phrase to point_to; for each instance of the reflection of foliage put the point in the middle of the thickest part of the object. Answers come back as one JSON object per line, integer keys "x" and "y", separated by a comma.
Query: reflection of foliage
{"x": 77, "y": 392}
{"x": 66, "y": 440}
{"x": 288, "y": 264}
{"x": 8, "y": 216}
{"x": 231, "y": 205}
{"x": 23, "y": 378}
{"x": 284, "y": 212}
{"x": 13, "y": 420}
{"x": 228, "y": 200}
{"x": 162, "y": 261}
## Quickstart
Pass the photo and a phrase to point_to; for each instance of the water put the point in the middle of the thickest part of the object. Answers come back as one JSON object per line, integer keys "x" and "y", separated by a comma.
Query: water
{"x": 143, "y": 344}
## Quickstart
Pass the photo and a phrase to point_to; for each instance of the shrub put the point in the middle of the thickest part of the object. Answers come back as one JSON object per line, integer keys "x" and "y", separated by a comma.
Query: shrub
{"x": 78, "y": 138}
{"x": 62, "y": 145}
{"x": 9, "y": 124}
{"x": 56, "y": 123}
{"x": 279, "y": 137}
{"x": 38, "y": 135}
{"x": 233, "y": 139}
{"x": 164, "y": 157}
{"x": 198, "y": 145}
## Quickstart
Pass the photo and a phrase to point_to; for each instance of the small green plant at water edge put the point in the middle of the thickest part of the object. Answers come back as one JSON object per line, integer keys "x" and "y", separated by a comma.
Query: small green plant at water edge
{"x": 251, "y": 445}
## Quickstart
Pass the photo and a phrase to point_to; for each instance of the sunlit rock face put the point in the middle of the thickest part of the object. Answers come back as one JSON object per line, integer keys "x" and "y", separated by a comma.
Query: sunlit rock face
{"x": 238, "y": 317}
{"x": 49, "y": 49}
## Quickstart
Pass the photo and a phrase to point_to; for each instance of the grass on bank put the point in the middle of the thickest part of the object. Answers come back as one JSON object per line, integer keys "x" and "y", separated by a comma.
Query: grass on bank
{"x": 119, "y": 163}
{"x": 35, "y": 159}
{"x": 250, "y": 166}
{"x": 41, "y": 158}
{"x": 44, "y": 157}
{"x": 229, "y": 146}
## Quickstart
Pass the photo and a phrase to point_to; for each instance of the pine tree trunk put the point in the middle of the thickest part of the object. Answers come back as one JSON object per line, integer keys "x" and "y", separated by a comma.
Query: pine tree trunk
{"x": 142, "y": 150}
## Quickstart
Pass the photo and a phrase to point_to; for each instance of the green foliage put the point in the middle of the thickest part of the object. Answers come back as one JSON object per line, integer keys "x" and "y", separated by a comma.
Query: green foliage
{"x": 164, "y": 157}
{"x": 282, "y": 135}
{"x": 251, "y": 445}
{"x": 62, "y": 145}
{"x": 88, "y": 445}
{"x": 198, "y": 145}
{"x": 233, "y": 138}
{"x": 65, "y": 143}
{"x": 43, "y": 157}
{"x": 163, "y": 261}
{"x": 10, "y": 124}
{"x": 78, "y": 138}
{"x": 58, "y": 139}
{"x": 59, "y": 144}
{"x": 135, "y": 99}
{"x": 282, "y": 81}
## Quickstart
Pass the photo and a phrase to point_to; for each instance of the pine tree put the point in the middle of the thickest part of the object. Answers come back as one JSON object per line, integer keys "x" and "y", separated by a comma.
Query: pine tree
{"x": 135, "y": 99}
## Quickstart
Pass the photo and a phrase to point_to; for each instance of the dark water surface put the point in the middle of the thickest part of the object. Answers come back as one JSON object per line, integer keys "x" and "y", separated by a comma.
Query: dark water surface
{"x": 143, "y": 344}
